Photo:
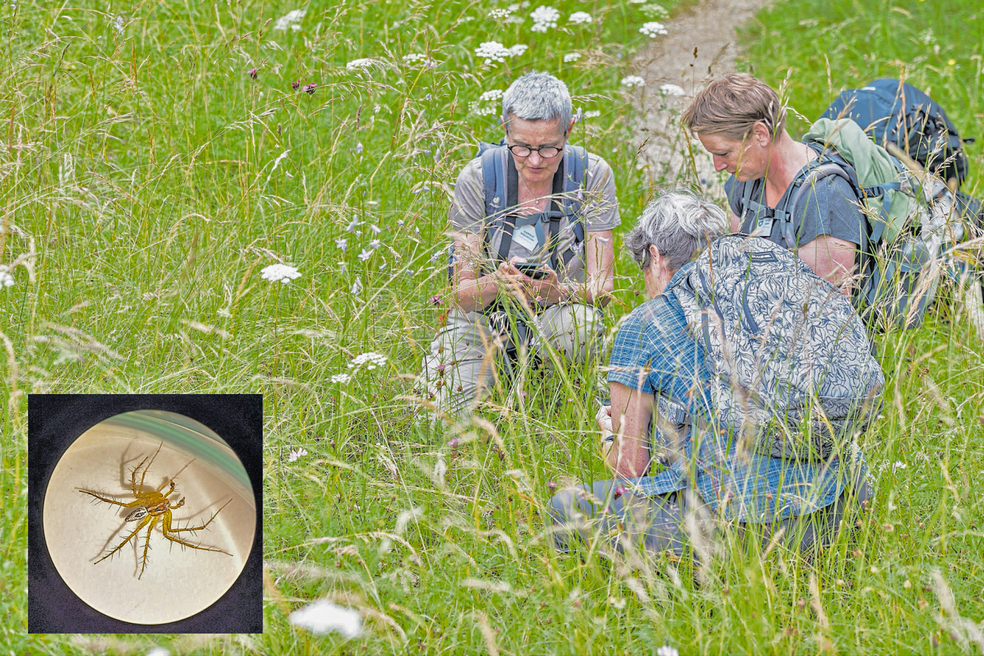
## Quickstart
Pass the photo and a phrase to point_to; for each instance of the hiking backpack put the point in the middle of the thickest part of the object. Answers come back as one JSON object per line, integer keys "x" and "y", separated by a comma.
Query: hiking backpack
{"x": 501, "y": 182}
{"x": 908, "y": 219}
{"x": 891, "y": 111}
{"x": 792, "y": 370}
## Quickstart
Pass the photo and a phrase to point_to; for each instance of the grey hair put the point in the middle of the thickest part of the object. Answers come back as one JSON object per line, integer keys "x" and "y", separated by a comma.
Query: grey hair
{"x": 537, "y": 97}
{"x": 679, "y": 224}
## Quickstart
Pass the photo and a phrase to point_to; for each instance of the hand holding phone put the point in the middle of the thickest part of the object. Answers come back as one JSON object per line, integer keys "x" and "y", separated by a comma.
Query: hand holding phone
{"x": 532, "y": 269}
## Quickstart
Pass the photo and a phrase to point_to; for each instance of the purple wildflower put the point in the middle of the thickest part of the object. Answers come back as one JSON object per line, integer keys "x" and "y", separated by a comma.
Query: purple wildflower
{"x": 435, "y": 300}
{"x": 552, "y": 485}
{"x": 253, "y": 73}
{"x": 309, "y": 88}
{"x": 295, "y": 85}
{"x": 619, "y": 491}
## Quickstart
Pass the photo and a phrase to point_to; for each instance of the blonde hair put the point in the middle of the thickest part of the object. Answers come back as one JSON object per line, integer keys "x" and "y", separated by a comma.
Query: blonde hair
{"x": 730, "y": 106}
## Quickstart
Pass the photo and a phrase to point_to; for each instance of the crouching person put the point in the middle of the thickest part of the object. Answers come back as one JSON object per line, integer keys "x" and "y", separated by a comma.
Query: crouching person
{"x": 533, "y": 263}
{"x": 735, "y": 393}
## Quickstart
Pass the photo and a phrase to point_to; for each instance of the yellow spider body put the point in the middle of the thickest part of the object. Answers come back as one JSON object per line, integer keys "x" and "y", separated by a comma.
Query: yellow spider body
{"x": 149, "y": 508}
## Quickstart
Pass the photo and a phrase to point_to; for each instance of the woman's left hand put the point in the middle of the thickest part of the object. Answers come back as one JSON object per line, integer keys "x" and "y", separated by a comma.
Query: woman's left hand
{"x": 546, "y": 290}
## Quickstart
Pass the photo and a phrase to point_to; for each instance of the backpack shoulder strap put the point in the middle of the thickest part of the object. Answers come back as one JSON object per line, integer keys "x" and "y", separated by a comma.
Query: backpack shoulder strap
{"x": 501, "y": 182}
{"x": 575, "y": 180}
{"x": 828, "y": 163}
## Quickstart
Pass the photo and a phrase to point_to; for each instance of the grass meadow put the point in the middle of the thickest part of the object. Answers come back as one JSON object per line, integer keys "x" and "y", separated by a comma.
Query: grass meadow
{"x": 157, "y": 156}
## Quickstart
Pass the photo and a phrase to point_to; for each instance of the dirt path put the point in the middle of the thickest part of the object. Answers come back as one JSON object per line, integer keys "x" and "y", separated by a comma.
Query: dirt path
{"x": 709, "y": 27}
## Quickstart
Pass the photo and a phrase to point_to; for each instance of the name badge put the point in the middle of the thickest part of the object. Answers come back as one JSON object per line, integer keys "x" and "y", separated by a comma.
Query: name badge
{"x": 525, "y": 236}
{"x": 763, "y": 226}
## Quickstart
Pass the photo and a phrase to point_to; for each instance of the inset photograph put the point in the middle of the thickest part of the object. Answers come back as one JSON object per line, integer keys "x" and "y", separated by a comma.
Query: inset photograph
{"x": 149, "y": 517}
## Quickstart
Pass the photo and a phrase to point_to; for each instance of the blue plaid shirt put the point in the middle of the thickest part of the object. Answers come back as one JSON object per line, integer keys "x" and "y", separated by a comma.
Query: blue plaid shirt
{"x": 655, "y": 352}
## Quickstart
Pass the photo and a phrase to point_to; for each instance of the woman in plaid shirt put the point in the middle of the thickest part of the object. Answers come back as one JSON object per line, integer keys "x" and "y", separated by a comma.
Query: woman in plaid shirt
{"x": 664, "y": 475}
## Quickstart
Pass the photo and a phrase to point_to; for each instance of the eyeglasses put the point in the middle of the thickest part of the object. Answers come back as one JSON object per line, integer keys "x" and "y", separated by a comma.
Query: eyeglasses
{"x": 546, "y": 152}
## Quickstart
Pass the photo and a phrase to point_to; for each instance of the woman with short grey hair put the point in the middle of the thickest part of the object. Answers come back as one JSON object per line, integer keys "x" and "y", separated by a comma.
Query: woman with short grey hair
{"x": 533, "y": 257}
{"x": 678, "y": 224}
{"x": 537, "y": 97}
{"x": 671, "y": 476}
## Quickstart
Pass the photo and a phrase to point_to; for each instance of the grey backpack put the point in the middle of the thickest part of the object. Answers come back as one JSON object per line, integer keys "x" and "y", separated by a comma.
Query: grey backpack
{"x": 792, "y": 370}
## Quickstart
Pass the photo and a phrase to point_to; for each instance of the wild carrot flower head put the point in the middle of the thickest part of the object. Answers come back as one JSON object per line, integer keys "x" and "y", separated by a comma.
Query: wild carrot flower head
{"x": 544, "y": 18}
{"x": 280, "y": 273}
{"x": 323, "y": 617}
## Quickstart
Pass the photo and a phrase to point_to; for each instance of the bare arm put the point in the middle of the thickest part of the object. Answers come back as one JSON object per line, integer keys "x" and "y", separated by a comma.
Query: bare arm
{"x": 832, "y": 259}
{"x": 735, "y": 222}
{"x": 599, "y": 268}
{"x": 632, "y": 411}
{"x": 471, "y": 291}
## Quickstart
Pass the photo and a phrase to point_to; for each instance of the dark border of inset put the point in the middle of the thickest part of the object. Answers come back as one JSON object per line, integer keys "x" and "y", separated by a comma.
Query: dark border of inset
{"x": 54, "y": 423}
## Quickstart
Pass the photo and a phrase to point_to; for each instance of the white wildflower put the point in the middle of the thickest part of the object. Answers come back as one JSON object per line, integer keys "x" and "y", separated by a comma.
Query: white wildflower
{"x": 592, "y": 113}
{"x": 571, "y": 57}
{"x": 363, "y": 62}
{"x": 653, "y": 29}
{"x": 290, "y": 21}
{"x": 365, "y": 255}
{"x": 341, "y": 378}
{"x": 491, "y": 96}
{"x": 482, "y": 111}
{"x": 375, "y": 243}
{"x": 580, "y": 17}
{"x": 666, "y": 650}
{"x": 6, "y": 280}
{"x": 417, "y": 58}
{"x": 280, "y": 273}
{"x": 518, "y": 50}
{"x": 118, "y": 25}
{"x": 370, "y": 360}
{"x": 492, "y": 51}
{"x": 671, "y": 90}
{"x": 375, "y": 228}
{"x": 323, "y": 617}
{"x": 899, "y": 465}
{"x": 294, "y": 455}
{"x": 356, "y": 287}
{"x": 632, "y": 81}
{"x": 342, "y": 244}
{"x": 353, "y": 225}
{"x": 500, "y": 13}
{"x": 544, "y": 18}
{"x": 654, "y": 10}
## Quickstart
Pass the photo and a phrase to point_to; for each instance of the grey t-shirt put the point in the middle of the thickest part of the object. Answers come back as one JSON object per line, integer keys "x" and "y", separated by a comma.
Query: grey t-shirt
{"x": 830, "y": 207}
{"x": 600, "y": 212}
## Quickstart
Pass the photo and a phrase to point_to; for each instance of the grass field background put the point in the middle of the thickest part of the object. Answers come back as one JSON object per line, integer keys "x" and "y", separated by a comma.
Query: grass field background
{"x": 146, "y": 178}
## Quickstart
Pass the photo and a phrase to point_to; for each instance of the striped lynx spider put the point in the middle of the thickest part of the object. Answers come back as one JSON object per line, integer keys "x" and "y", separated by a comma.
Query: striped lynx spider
{"x": 151, "y": 507}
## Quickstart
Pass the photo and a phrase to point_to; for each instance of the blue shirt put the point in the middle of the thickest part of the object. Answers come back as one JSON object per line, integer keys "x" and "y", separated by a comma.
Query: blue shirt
{"x": 655, "y": 352}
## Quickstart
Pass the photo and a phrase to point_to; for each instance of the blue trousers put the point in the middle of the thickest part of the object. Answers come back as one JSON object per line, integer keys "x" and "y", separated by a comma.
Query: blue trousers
{"x": 674, "y": 522}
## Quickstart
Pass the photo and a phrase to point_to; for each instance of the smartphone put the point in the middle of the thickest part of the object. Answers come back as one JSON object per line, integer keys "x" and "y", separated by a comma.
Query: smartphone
{"x": 532, "y": 270}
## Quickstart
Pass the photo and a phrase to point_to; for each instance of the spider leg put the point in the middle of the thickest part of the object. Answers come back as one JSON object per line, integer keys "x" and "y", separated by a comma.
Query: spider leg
{"x": 146, "y": 520}
{"x": 143, "y": 560}
{"x": 113, "y": 501}
{"x": 147, "y": 468}
{"x": 167, "y": 530}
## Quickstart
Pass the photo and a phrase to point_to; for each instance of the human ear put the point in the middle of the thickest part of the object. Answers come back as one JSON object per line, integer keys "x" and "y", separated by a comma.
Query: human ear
{"x": 655, "y": 257}
{"x": 761, "y": 133}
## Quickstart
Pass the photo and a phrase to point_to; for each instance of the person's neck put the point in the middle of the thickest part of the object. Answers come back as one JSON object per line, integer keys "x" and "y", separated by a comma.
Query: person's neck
{"x": 786, "y": 158}
{"x": 534, "y": 196}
